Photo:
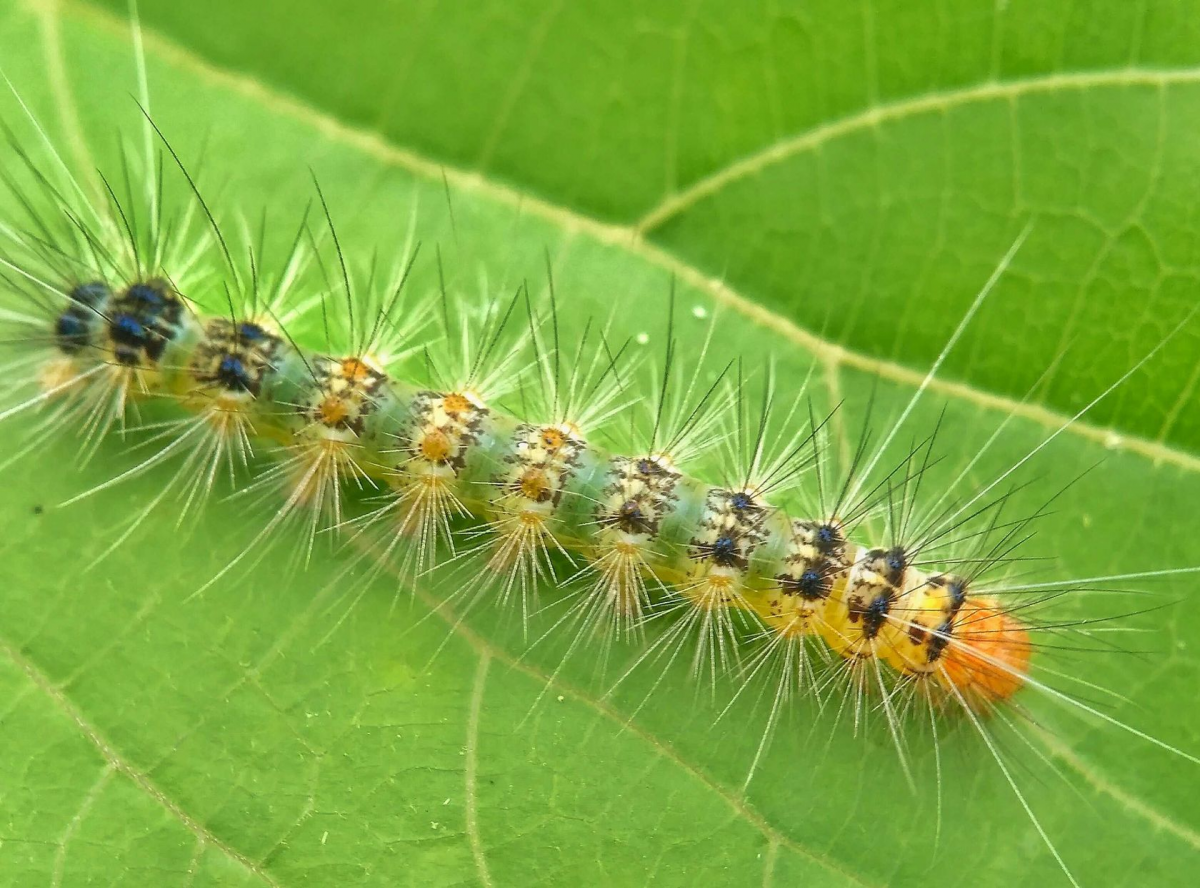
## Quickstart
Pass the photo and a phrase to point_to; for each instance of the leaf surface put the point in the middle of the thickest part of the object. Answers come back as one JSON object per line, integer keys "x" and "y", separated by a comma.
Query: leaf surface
{"x": 839, "y": 170}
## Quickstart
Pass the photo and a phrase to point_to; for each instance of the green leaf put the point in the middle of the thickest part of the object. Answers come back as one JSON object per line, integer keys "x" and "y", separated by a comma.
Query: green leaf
{"x": 837, "y": 181}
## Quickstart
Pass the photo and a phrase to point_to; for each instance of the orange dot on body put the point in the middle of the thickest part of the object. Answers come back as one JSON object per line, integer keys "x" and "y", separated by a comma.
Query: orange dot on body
{"x": 989, "y": 657}
{"x": 355, "y": 369}
{"x": 533, "y": 485}
{"x": 456, "y": 403}
{"x": 332, "y": 410}
{"x": 553, "y": 438}
{"x": 435, "y": 446}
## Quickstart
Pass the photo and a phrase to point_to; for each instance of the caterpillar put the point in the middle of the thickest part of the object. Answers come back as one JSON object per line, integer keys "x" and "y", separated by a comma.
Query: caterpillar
{"x": 515, "y": 446}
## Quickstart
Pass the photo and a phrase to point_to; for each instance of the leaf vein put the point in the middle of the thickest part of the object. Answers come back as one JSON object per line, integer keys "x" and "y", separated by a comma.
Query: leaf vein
{"x": 117, "y": 763}
{"x": 875, "y": 115}
{"x": 472, "y": 768}
{"x": 488, "y": 651}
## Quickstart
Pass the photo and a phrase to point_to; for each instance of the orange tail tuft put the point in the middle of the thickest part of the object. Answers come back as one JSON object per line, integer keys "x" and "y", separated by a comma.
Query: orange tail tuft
{"x": 989, "y": 657}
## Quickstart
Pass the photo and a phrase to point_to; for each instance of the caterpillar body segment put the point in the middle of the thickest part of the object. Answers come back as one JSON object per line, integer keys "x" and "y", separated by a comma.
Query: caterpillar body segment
{"x": 814, "y": 565}
{"x": 424, "y": 470}
{"x": 81, "y": 322}
{"x": 922, "y": 622}
{"x": 442, "y": 427}
{"x": 641, "y": 493}
{"x": 234, "y": 360}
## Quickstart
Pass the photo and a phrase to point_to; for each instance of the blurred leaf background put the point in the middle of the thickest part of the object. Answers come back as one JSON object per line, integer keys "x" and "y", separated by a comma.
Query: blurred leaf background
{"x": 836, "y": 181}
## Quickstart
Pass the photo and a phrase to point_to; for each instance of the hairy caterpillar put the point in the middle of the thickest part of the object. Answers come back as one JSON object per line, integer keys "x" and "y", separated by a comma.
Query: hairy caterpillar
{"x": 350, "y": 377}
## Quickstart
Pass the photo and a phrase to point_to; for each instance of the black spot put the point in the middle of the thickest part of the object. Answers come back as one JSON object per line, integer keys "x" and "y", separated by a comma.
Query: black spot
{"x": 741, "y": 501}
{"x": 73, "y": 328}
{"x": 956, "y": 588}
{"x": 632, "y": 518}
{"x": 234, "y": 355}
{"x": 916, "y": 633}
{"x": 737, "y": 530}
{"x": 38, "y": 509}
{"x": 145, "y": 317}
{"x": 250, "y": 333}
{"x": 90, "y": 295}
{"x": 895, "y": 561}
{"x": 129, "y": 336}
{"x": 232, "y": 374}
{"x": 938, "y": 642}
{"x": 725, "y": 552}
{"x": 812, "y": 585}
{"x": 128, "y": 330}
{"x": 829, "y": 540}
{"x": 146, "y": 295}
{"x": 71, "y": 331}
{"x": 875, "y": 615}
{"x": 958, "y": 594}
